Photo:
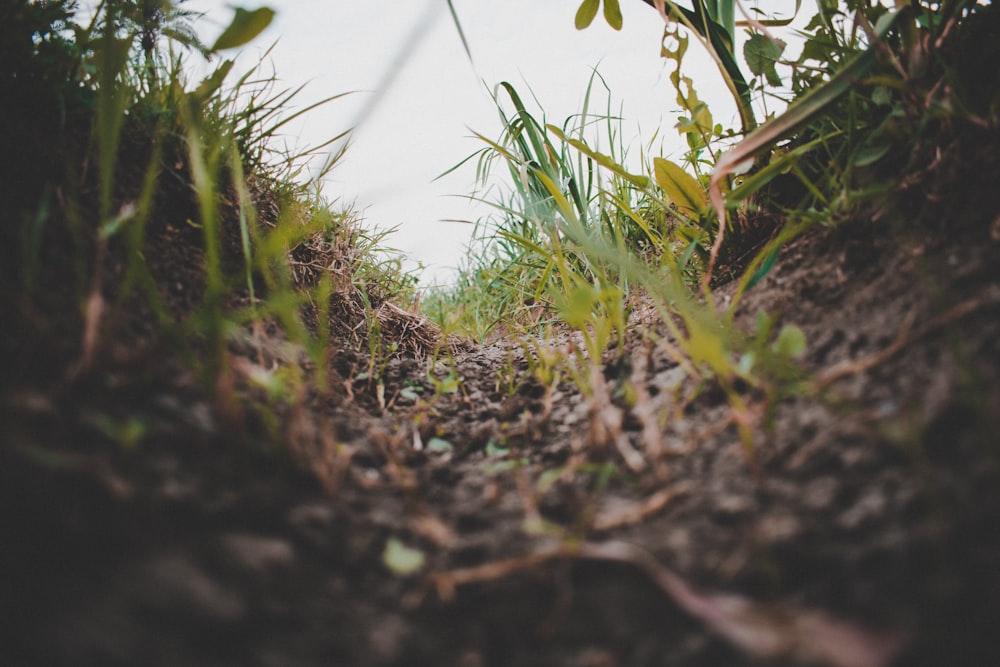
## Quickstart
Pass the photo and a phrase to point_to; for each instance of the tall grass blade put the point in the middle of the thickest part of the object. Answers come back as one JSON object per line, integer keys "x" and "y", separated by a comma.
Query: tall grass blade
{"x": 458, "y": 27}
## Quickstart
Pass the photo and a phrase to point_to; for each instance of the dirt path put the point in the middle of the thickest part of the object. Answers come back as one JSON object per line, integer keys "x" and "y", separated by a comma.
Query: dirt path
{"x": 495, "y": 525}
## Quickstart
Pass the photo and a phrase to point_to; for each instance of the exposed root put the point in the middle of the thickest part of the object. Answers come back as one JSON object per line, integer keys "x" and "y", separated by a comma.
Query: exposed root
{"x": 765, "y": 631}
{"x": 906, "y": 337}
{"x": 638, "y": 512}
{"x": 647, "y": 414}
{"x": 606, "y": 422}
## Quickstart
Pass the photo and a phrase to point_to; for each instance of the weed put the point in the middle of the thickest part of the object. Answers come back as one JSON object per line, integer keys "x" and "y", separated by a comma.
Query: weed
{"x": 579, "y": 233}
{"x": 172, "y": 219}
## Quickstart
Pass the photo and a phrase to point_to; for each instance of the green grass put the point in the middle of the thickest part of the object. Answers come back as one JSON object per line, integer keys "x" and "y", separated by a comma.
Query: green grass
{"x": 150, "y": 153}
{"x": 577, "y": 238}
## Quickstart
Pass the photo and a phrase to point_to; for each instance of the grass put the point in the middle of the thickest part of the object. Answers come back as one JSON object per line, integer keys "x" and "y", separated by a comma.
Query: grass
{"x": 561, "y": 193}
{"x": 172, "y": 242}
{"x": 577, "y": 241}
{"x": 172, "y": 217}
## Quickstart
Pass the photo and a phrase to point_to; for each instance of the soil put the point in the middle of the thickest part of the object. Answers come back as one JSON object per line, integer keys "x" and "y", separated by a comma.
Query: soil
{"x": 845, "y": 516}
{"x": 495, "y": 525}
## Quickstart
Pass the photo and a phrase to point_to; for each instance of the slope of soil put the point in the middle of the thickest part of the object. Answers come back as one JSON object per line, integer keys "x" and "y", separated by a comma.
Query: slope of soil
{"x": 555, "y": 529}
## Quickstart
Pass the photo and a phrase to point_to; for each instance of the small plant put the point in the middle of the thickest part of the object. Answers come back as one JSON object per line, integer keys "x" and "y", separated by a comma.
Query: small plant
{"x": 259, "y": 263}
{"x": 712, "y": 21}
{"x": 450, "y": 383}
{"x": 578, "y": 237}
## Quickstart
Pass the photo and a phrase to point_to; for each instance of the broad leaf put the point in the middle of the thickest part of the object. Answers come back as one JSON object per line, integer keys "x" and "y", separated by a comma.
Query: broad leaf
{"x": 439, "y": 445}
{"x": 245, "y": 26}
{"x": 800, "y": 112}
{"x": 873, "y": 151}
{"x": 791, "y": 342}
{"x": 613, "y": 14}
{"x": 720, "y": 39}
{"x": 586, "y": 13}
{"x": 761, "y": 54}
{"x": 681, "y": 188}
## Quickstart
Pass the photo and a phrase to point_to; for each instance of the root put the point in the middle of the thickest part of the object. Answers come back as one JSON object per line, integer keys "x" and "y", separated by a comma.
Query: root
{"x": 765, "y": 631}
{"x": 906, "y": 337}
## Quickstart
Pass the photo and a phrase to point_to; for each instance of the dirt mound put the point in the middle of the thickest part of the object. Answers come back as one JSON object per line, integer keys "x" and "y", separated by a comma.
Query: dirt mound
{"x": 474, "y": 523}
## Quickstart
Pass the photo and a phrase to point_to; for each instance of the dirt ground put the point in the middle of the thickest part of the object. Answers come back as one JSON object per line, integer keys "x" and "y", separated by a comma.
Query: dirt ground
{"x": 486, "y": 526}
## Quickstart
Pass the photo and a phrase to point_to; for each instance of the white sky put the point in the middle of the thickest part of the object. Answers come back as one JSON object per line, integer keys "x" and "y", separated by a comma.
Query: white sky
{"x": 421, "y": 125}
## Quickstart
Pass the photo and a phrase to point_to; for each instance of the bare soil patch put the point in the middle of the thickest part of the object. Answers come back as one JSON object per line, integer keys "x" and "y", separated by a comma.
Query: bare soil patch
{"x": 873, "y": 500}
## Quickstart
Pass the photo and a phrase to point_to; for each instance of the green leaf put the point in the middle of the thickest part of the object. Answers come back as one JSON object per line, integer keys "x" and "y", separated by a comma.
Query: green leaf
{"x": 802, "y": 110}
{"x": 707, "y": 346}
{"x": 439, "y": 445}
{"x": 586, "y": 13}
{"x": 461, "y": 33}
{"x": 761, "y": 54}
{"x": 613, "y": 14}
{"x": 112, "y": 226}
{"x": 765, "y": 267}
{"x": 493, "y": 449}
{"x": 578, "y": 307}
{"x": 818, "y": 50}
{"x": 127, "y": 433}
{"x": 213, "y": 82}
{"x": 245, "y": 26}
{"x": 778, "y": 23}
{"x": 762, "y": 325}
{"x": 882, "y": 96}
{"x": 720, "y": 39}
{"x": 871, "y": 152}
{"x": 680, "y": 187}
{"x": 401, "y": 559}
{"x": 605, "y": 161}
{"x": 791, "y": 342}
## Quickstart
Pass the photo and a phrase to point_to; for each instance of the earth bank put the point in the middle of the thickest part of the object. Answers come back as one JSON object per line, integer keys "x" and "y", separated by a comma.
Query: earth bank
{"x": 870, "y": 503}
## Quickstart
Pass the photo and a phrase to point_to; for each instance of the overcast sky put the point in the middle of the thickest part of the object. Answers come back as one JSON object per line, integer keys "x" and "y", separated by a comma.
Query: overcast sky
{"x": 432, "y": 96}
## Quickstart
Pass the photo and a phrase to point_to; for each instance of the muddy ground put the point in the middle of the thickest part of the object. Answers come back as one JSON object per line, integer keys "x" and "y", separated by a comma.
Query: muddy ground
{"x": 493, "y": 525}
